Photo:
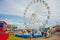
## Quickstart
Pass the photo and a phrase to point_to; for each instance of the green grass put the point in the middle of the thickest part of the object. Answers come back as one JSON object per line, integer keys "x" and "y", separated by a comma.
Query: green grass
{"x": 12, "y": 37}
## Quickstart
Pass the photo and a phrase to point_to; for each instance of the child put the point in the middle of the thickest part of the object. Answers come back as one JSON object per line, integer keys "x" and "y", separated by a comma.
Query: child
{"x": 45, "y": 34}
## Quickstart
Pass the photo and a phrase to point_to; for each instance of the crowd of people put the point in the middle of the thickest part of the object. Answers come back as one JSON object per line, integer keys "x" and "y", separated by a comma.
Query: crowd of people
{"x": 45, "y": 34}
{"x": 25, "y": 31}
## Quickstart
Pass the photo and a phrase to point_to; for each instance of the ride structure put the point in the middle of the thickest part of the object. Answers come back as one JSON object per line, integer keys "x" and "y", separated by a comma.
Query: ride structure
{"x": 3, "y": 34}
{"x": 37, "y": 10}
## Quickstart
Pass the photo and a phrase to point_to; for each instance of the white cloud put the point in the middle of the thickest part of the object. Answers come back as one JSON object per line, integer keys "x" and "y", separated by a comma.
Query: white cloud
{"x": 17, "y": 7}
{"x": 12, "y": 7}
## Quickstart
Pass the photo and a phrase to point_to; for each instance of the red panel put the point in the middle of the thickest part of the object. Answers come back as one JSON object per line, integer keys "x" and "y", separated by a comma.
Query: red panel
{"x": 1, "y": 29}
{"x": 4, "y": 36}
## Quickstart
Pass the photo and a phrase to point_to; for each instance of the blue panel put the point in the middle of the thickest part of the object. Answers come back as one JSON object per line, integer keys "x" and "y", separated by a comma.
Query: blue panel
{"x": 11, "y": 26}
{"x": 1, "y": 24}
{"x": 28, "y": 35}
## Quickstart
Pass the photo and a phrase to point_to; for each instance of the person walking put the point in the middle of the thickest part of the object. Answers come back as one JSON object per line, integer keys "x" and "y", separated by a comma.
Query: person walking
{"x": 45, "y": 34}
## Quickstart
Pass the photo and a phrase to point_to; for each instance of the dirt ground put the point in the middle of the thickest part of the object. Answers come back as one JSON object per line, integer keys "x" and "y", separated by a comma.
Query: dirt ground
{"x": 55, "y": 36}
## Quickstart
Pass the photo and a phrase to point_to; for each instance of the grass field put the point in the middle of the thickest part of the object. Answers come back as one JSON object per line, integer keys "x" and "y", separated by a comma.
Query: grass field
{"x": 12, "y": 37}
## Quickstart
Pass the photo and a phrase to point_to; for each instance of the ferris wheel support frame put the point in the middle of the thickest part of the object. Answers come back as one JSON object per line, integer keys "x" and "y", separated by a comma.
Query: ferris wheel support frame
{"x": 38, "y": 1}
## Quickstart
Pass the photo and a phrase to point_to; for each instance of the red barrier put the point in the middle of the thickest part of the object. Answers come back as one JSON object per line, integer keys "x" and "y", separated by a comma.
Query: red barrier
{"x": 4, "y": 36}
{"x": 1, "y": 29}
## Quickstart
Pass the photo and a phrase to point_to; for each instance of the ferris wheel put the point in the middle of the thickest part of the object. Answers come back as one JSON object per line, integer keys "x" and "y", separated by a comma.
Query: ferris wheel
{"x": 37, "y": 10}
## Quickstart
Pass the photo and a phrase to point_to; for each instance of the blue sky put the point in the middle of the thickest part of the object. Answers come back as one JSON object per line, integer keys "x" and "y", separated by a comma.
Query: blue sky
{"x": 14, "y": 18}
{"x": 14, "y": 9}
